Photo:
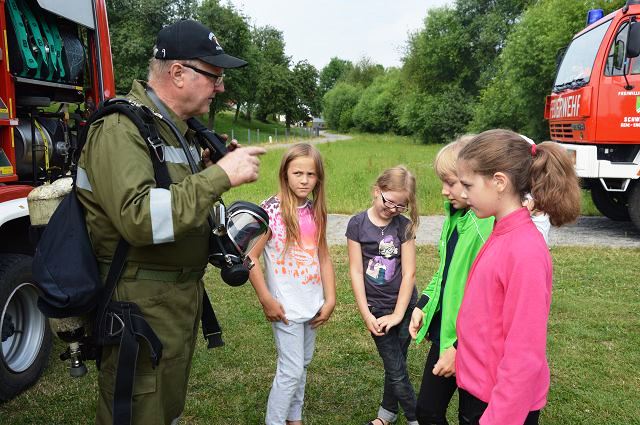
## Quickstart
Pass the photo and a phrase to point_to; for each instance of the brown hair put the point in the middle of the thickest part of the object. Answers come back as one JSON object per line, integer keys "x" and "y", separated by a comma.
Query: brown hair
{"x": 288, "y": 202}
{"x": 400, "y": 179}
{"x": 545, "y": 171}
{"x": 445, "y": 161}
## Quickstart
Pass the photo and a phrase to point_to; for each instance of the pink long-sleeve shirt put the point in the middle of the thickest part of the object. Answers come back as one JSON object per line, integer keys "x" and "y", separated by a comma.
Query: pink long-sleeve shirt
{"x": 502, "y": 323}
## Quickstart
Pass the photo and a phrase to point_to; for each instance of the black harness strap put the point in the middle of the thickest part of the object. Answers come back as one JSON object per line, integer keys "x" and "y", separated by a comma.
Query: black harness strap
{"x": 122, "y": 323}
{"x": 126, "y": 371}
{"x": 210, "y": 326}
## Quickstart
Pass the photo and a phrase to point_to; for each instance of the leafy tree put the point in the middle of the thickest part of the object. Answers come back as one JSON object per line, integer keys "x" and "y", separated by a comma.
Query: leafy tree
{"x": 487, "y": 23}
{"x": 307, "y": 101}
{"x": 275, "y": 91}
{"x": 232, "y": 31}
{"x": 363, "y": 72}
{"x": 133, "y": 26}
{"x": 335, "y": 70}
{"x": 270, "y": 42}
{"x": 338, "y": 104}
{"x": 290, "y": 92}
{"x": 435, "y": 56}
{"x": 270, "y": 62}
{"x": 438, "y": 117}
{"x": 515, "y": 98}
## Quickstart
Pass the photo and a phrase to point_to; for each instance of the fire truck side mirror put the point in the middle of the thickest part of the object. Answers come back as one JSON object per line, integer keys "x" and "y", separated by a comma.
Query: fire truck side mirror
{"x": 633, "y": 40}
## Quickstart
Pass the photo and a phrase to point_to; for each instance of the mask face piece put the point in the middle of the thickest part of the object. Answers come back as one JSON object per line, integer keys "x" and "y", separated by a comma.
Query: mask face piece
{"x": 237, "y": 230}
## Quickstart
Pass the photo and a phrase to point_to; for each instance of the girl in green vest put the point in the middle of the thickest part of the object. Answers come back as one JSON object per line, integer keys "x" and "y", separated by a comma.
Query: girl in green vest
{"x": 435, "y": 314}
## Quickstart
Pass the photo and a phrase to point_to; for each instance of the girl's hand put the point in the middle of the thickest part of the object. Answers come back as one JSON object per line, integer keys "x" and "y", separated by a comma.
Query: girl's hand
{"x": 274, "y": 311}
{"x": 372, "y": 325}
{"x": 416, "y": 322}
{"x": 446, "y": 364}
{"x": 323, "y": 315}
{"x": 387, "y": 322}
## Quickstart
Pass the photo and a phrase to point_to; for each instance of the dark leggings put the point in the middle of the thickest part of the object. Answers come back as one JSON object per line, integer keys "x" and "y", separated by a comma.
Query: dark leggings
{"x": 435, "y": 392}
{"x": 472, "y": 408}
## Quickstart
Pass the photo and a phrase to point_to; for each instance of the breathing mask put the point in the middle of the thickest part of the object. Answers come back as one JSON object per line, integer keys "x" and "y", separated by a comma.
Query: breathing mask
{"x": 237, "y": 229}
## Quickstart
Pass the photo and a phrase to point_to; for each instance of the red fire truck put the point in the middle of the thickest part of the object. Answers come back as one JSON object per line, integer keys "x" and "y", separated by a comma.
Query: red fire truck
{"x": 594, "y": 110}
{"x": 55, "y": 66}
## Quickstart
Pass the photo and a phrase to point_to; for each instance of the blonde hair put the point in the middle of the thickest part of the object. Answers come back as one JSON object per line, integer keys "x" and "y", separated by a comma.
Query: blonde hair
{"x": 400, "y": 179}
{"x": 288, "y": 200}
{"x": 445, "y": 161}
{"x": 545, "y": 171}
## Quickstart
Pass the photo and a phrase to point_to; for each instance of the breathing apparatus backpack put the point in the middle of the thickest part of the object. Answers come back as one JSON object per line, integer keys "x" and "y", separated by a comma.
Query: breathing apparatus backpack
{"x": 72, "y": 293}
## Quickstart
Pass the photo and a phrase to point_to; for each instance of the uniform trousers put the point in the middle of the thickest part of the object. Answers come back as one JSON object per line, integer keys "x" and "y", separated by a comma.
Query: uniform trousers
{"x": 173, "y": 311}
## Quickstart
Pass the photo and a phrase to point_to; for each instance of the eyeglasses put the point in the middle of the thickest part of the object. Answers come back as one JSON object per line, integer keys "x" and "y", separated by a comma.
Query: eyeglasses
{"x": 389, "y": 204}
{"x": 217, "y": 79}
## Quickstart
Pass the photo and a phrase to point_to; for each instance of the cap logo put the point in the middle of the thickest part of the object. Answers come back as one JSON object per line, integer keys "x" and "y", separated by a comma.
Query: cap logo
{"x": 213, "y": 38}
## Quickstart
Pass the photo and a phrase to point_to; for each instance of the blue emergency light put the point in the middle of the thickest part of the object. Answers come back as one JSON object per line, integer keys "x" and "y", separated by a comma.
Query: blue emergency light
{"x": 594, "y": 15}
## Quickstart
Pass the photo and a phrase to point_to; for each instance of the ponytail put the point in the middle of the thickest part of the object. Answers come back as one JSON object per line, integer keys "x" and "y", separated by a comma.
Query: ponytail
{"x": 554, "y": 184}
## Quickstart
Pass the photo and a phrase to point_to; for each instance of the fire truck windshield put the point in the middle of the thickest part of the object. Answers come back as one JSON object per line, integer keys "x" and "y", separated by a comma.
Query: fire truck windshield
{"x": 577, "y": 63}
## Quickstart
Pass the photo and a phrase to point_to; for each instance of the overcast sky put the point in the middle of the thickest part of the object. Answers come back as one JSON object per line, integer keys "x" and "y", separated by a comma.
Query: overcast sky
{"x": 349, "y": 29}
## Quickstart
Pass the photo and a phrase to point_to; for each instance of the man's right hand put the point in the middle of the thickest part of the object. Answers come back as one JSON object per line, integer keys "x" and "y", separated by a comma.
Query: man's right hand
{"x": 241, "y": 165}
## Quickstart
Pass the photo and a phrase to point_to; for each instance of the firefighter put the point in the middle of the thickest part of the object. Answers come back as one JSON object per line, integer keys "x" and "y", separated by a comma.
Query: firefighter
{"x": 166, "y": 228}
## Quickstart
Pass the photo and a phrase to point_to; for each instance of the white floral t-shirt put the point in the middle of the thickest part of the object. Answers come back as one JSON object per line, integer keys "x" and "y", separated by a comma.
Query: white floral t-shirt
{"x": 293, "y": 278}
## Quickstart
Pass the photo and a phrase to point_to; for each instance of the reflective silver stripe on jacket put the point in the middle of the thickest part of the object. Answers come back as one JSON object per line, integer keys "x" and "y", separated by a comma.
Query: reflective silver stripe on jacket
{"x": 82, "y": 180}
{"x": 161, "y": 215}
{"x": 177, "y": 156}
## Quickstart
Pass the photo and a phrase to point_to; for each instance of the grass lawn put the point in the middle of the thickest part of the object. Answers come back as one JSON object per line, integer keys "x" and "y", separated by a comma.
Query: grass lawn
{"x": 593, "y": 354}
{"x": 352, "y": 166}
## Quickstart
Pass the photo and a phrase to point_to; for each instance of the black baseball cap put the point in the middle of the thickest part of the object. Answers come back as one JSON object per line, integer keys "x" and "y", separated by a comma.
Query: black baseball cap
{"x": 189, "y": 39}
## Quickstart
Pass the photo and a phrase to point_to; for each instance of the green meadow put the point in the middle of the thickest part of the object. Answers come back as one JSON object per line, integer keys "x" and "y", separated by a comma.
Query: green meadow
{"x": 592, "y": 350}
{"x": 592, "y": 345}
{"x": 352, "y": 166}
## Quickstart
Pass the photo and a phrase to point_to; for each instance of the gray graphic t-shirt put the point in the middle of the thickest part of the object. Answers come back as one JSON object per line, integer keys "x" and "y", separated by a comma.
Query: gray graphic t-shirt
{"x": 381, "y": 265}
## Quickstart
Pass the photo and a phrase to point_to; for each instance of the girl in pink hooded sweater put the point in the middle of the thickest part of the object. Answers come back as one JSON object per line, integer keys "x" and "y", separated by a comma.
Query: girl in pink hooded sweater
{"x": 501, "y": 364}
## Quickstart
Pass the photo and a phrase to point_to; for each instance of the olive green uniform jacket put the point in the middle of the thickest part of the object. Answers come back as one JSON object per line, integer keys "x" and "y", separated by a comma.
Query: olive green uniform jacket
{"x": 166, "y": 228}
{"x": 168, "y": 233}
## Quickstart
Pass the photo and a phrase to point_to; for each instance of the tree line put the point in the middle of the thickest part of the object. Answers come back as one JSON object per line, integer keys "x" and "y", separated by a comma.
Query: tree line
{"x": 475, "y": 65}
{"x": 271, "y": 84}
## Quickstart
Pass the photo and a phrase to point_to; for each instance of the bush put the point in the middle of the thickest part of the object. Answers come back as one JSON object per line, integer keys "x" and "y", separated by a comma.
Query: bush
{"x": 338, "y": 104}
{"x": 377, "y": 109}
{"x": 436, "y": 118}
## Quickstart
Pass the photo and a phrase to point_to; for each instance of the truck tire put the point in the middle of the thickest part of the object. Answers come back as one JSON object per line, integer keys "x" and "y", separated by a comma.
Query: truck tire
{"x": 611, "y": 204}
{"x": 26, "y": 336}
{"x": 634, "y": 204}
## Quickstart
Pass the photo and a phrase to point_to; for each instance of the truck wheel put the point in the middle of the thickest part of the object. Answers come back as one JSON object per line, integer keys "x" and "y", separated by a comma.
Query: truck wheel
{"x": 26, "y": 336}
{"x": 611, "y": 204}
{"x": 634, "y": 204}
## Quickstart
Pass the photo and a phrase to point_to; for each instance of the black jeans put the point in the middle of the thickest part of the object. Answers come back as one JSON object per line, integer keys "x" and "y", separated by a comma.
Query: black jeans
{"x": 435, "y": 392}
{"x": 393, "y": 347}
{"x": 472, "y": 408}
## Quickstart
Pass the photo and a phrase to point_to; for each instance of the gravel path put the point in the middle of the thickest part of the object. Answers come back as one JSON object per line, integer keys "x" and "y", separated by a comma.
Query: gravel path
{"x": 587, "y": 231}
{"x": 324, "y": 138}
